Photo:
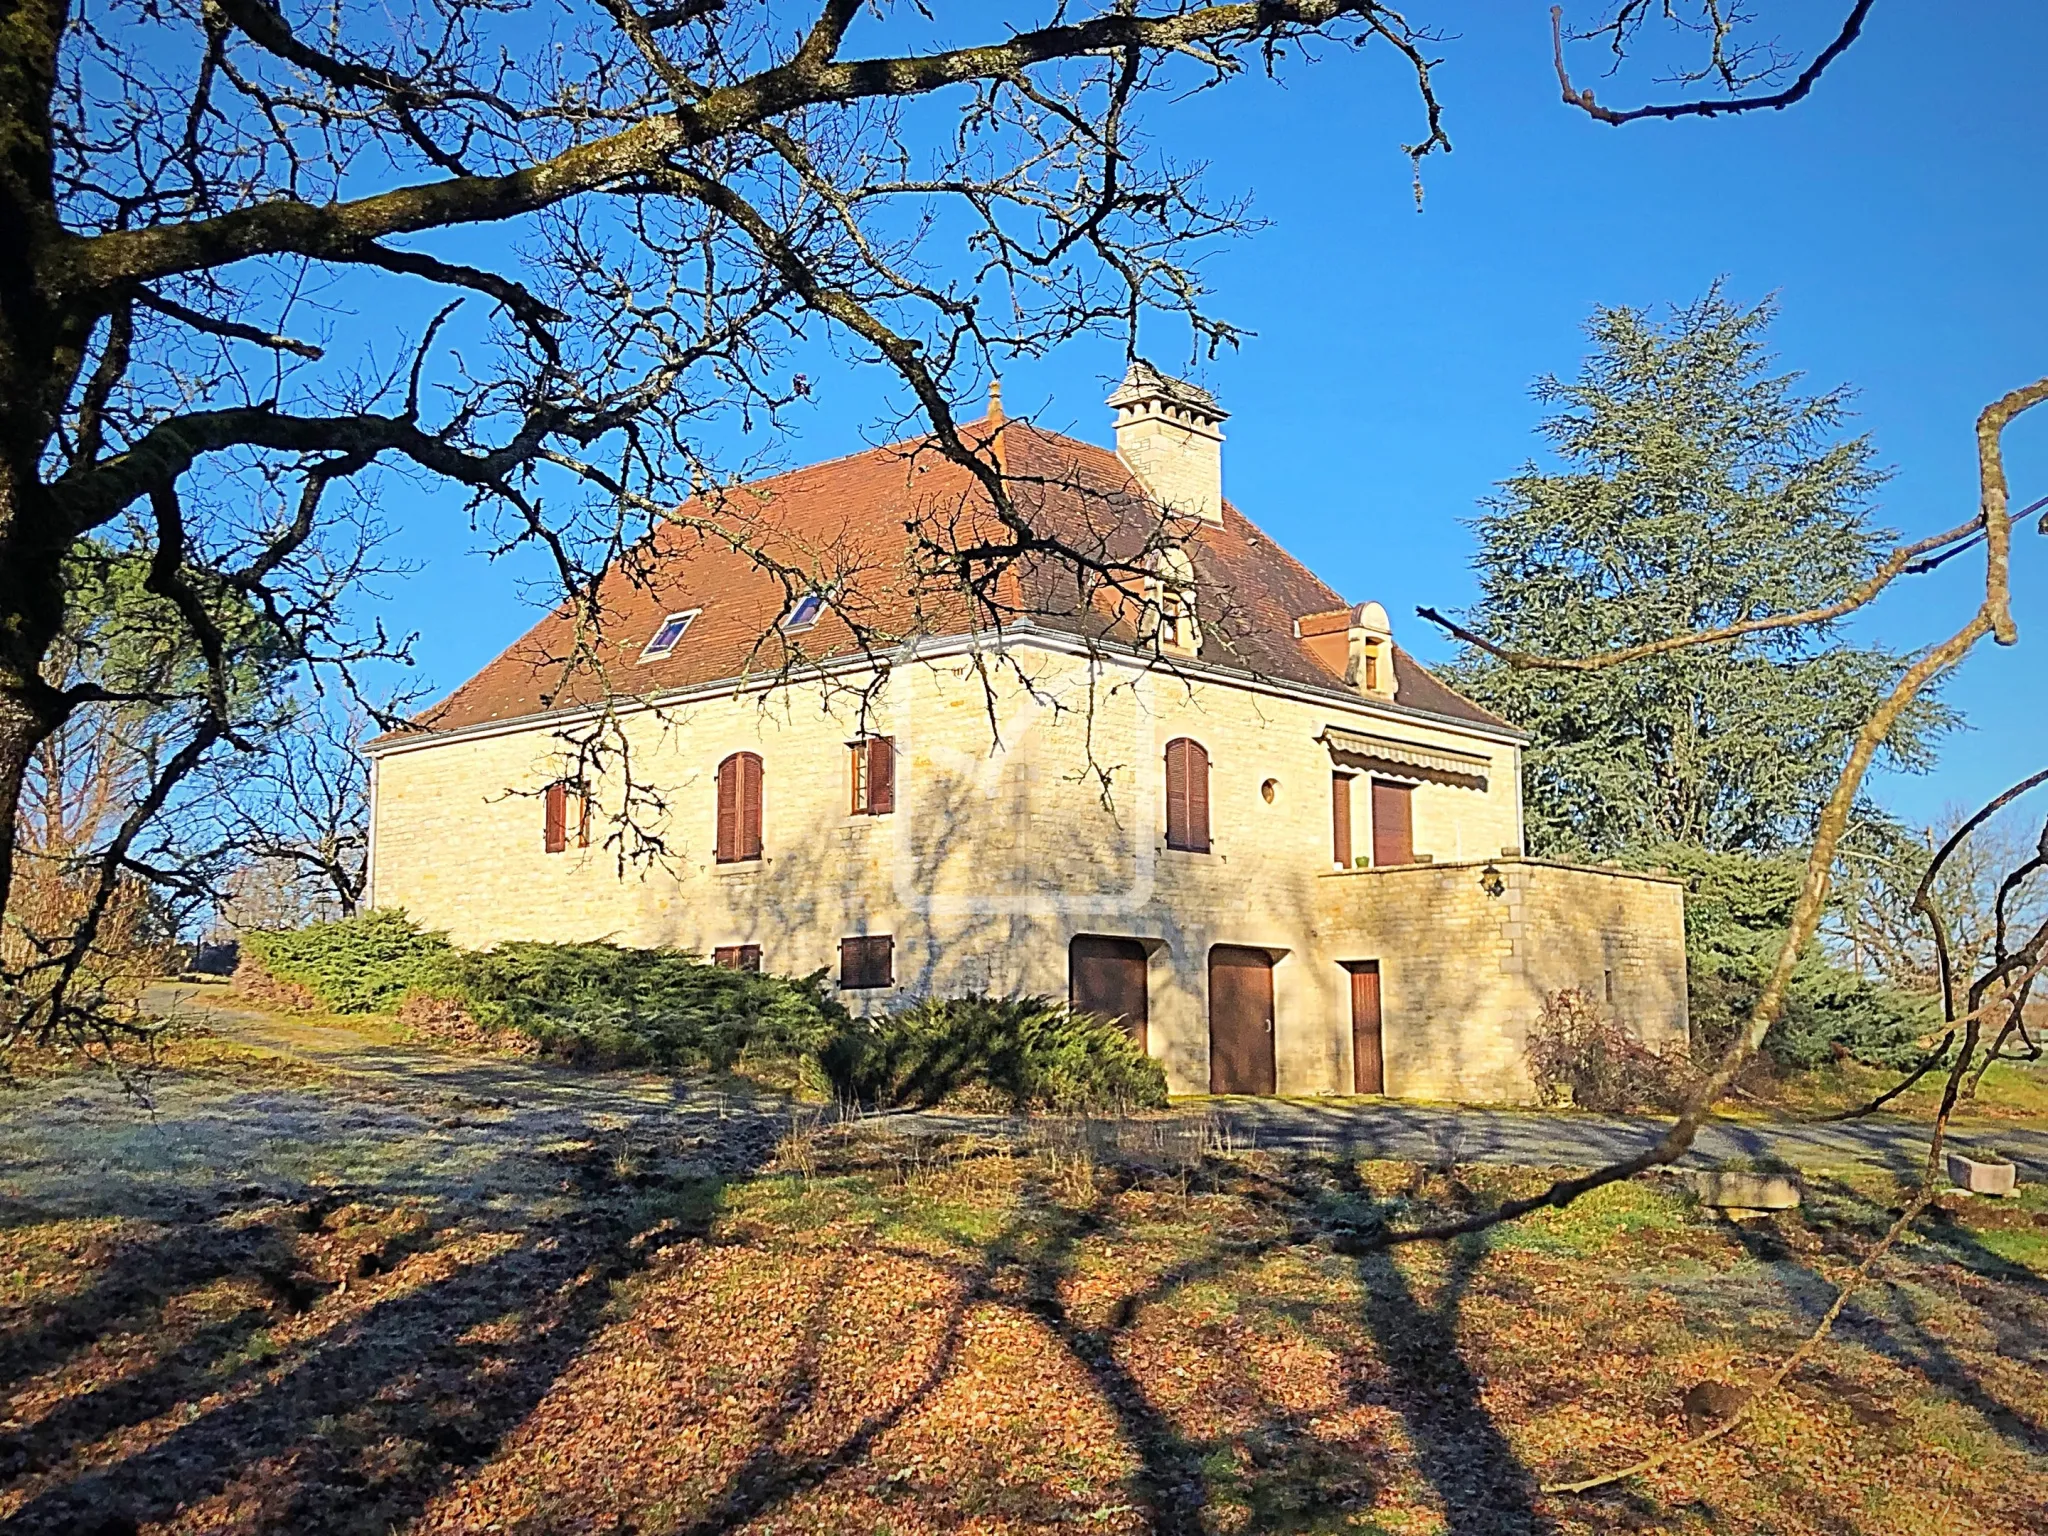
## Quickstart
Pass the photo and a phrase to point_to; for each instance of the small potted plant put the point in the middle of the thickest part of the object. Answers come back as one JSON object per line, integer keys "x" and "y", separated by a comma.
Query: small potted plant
{"x": 1984, "y": 1171}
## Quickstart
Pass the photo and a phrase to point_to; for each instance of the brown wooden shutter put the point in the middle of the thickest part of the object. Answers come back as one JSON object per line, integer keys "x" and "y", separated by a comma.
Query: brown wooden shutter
{"x": 582, "y": 817}
{"x": 1393, "y": 823}
{"x": 867, "y": 962}
{"x": 555, "y": 818}
{"x": 750, "y": 806}
{"x": 1187, "y": 796}
{"x": 1177, "y": 794}
{"x": 728, "y": 810}
{"x": 1198, "y": 798}
{"x": 881, "y": 775}
{"x": 1340, "y": 819}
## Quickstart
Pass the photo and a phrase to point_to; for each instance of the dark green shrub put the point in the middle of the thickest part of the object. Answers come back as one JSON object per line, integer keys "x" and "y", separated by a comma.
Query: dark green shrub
{"x": 363, "y": 964}
{"x": 1738, "y": 908}
{"x": 601, "y": 1004}
{"x": 1018, "y": 1054}
{"x": 595, "y": 1004}
{"x": 604, "y": 1005}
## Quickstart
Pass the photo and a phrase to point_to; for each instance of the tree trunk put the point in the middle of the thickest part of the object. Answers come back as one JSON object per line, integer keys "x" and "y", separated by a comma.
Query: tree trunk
{"x": 31, "y": 616}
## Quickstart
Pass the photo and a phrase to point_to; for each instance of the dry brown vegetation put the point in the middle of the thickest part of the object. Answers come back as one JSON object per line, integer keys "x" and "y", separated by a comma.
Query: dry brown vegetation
{"x": 835, "y": 1331}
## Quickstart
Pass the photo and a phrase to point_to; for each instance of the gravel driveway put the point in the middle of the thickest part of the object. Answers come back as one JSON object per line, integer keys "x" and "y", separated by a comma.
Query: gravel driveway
{"x": 351, "y": 1110}
{"x": 342, "y": 1107}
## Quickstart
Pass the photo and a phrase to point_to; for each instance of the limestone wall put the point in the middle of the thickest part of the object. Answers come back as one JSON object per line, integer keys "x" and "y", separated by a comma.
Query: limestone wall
{"x": 1001, "y": 849}
{"x": 1463, "y": 974}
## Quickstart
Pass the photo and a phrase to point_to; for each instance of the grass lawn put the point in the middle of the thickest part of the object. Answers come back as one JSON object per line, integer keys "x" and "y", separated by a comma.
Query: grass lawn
{"x": 2010, "y": 1091}
{"x": 861, "y": 1333}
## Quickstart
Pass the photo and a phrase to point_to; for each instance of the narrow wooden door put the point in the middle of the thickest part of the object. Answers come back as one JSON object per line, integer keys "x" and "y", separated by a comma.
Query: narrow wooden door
{"x": 1107, "y": 976}
{"x": 1368, "y": 1054}
{"x": 1240, "y": 1020}
{"x": 1393, "y": 823}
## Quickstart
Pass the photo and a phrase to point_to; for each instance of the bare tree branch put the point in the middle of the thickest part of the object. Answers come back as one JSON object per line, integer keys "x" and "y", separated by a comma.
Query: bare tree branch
{"x": 1776, "y": 101}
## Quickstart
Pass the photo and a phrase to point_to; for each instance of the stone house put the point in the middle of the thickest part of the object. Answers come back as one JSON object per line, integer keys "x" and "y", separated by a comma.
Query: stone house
{"x": 1216, "y": 800}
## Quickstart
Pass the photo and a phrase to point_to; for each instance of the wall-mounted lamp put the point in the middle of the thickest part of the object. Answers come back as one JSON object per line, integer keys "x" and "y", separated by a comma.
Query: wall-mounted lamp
{"x": 1490, "y": 880}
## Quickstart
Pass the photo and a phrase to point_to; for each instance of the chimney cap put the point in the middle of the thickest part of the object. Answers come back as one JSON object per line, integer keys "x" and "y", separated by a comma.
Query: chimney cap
{"x": 1144, "y": 382}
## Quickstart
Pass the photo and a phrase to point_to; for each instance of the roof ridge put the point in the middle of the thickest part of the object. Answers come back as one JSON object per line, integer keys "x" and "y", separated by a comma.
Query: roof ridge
{"x": 874, "y": 500}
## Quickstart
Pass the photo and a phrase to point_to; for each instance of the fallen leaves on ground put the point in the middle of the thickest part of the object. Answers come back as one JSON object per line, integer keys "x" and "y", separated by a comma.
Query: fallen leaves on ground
{"x": 992, "y": 1341}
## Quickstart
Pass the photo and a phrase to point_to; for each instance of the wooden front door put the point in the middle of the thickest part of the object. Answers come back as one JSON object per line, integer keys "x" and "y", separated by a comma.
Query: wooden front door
{"x": 1240, "y": 1020}
{"x": 1368, "y": 1055}
{"x": 1107, "y": 976}
{"x": 1393, "y": 823}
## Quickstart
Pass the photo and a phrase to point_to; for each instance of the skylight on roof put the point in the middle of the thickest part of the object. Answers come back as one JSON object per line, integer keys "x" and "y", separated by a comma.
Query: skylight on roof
{"x": 669, "y": 635}
{"x": 807, "y": 611}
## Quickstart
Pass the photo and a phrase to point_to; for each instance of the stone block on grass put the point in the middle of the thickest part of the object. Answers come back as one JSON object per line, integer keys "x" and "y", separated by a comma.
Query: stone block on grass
{"x": 1982, "y": 1176}
{"x": 1733, "y": 1190}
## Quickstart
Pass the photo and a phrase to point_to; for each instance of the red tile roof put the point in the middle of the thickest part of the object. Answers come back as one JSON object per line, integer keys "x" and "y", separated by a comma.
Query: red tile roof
{"x": 865, "y": 526}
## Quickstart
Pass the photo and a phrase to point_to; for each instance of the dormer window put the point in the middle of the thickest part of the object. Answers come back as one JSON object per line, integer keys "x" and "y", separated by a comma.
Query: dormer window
{"x": 1176, "y": 623}
{"x": 669, "y": 635}
{"x": 805, "y": 613}
{"x": 1169, "y": 621}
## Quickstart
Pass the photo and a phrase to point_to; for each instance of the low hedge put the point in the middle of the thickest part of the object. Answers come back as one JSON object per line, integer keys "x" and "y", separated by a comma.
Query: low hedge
{"x": 1002, "y": 1053}
{"x": 363, "y": 964}
{"x": 604, "y": 1005}
{"x": 594, "y": 1004}
{"x": 608, "y": 1005}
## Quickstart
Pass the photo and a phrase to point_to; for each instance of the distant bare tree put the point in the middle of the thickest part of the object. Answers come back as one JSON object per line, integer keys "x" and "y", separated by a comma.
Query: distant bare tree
{"x": 1879, "y": 877}
{"x": 297, "y": 818}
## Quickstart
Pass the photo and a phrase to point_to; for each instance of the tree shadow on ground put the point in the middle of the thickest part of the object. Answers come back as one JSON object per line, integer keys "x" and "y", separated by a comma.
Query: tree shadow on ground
{"x": 1293, "y": 1480}
{"x": 1484, "y": 1485}
{"x": 356, "y": 1425}
{"x": 1895, "y": 1320}
{"x": 460, "y": 1334}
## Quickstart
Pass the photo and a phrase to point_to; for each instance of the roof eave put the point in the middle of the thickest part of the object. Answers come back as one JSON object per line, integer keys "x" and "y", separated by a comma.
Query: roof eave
{"x": 933, "y": 647}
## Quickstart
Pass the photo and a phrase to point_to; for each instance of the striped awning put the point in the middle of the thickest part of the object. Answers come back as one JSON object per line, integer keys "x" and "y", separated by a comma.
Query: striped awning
{"x": 1362, "y": 750}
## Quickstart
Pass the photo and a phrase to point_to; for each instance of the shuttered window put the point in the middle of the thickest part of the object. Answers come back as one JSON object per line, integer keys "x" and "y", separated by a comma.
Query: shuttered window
{"x": 867, "y": 962}
{"x": 1340, "y": 819}
{"x": 739, "y": 808}
{"x": 1393, "y": 823}
{"x": 1187, "y": 796}
{"x": 873, "y": 760}
{"x": 737, "y": 957}
{"x": 564, "y": 803}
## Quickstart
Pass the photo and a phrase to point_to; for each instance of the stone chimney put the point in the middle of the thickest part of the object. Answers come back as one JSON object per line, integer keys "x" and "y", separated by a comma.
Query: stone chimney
{"x": 1355, "y": 643}
{"x": 1170, "y": 436}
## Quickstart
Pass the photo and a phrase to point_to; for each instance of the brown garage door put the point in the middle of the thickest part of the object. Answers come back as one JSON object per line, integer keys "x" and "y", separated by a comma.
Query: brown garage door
{"x": 1107, "y": 976}
{"x": 1368, "y": 1056}
{"x": 1240, "y": 1020}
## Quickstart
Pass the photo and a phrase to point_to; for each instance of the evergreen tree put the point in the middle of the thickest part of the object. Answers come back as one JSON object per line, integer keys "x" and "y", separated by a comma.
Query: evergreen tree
{"x": 1694, "y": 487}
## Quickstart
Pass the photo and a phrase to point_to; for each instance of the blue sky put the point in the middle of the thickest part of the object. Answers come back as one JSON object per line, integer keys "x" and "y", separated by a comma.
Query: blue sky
{"x": 1898, "y": 214}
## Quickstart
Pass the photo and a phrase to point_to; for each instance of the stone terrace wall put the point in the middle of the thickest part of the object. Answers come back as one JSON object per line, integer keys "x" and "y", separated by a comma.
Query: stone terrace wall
{"x": 1463, "y": 974}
